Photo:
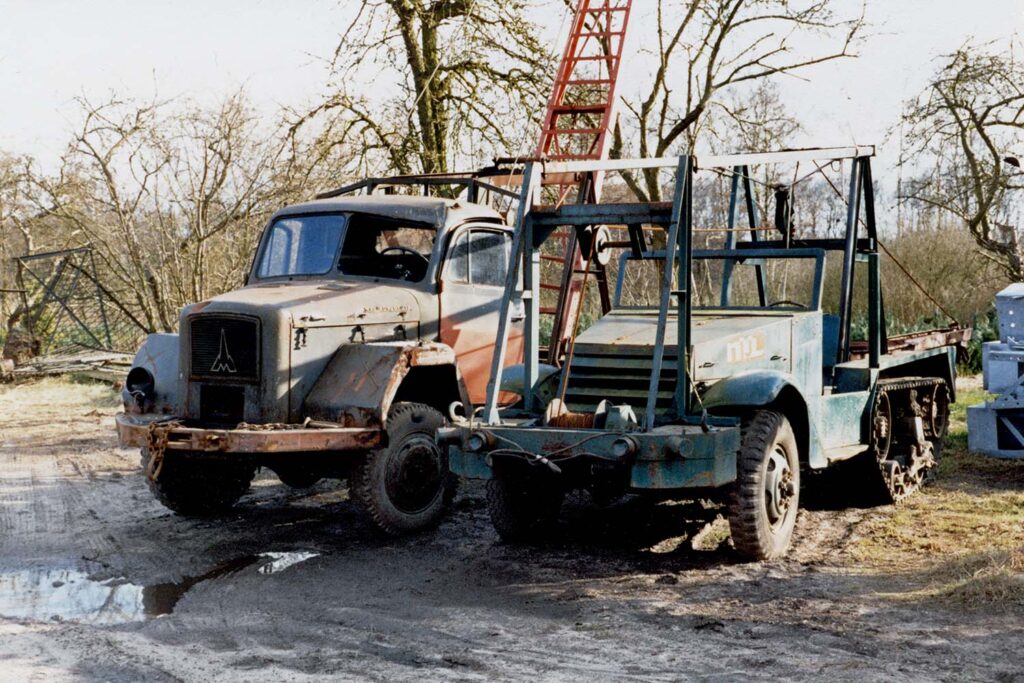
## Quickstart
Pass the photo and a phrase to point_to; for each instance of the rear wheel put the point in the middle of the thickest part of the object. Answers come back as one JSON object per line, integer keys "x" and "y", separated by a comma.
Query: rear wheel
{"x": 195, "y": 486}
{"x": 765, "y": 497}
{"x": 406, "y": 486}
{"x": 523, "y": 508}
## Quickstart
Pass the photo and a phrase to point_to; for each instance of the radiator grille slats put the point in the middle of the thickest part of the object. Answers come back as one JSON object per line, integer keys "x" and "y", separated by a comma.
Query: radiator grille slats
{"x": 595, "y": 377}
{"x": 225, "y": 348}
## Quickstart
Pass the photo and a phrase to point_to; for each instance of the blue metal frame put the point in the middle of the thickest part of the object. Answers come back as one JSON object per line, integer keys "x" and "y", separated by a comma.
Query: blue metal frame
{"x": 535, "y": 225}
{"x": 731, "y": 256}
{"x": 741, "y": 174}
{"x": 671, "y": 450}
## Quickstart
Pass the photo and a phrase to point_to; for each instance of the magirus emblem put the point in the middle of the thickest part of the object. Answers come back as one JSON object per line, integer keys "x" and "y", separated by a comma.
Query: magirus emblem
{"x": 224, "y": 362}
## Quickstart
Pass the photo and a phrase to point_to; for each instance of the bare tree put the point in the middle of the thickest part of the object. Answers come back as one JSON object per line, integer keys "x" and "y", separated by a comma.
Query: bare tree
{"x": 15, "y": 239}
{"x": 964, "y": 132}
{"x": 418, "y": 83}
{"x": 707, "y": 47}
{"x": 170, "y": 197}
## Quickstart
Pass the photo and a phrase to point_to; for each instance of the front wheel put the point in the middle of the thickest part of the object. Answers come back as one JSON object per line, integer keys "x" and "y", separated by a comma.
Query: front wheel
{"x": 195, "y": 486}
{"x": 766, "y": 495}
{"x": 523, "y": 508}
{"x": 406, "y": 486}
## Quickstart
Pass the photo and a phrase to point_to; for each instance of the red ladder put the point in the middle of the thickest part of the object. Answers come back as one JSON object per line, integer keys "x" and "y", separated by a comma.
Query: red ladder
{"x": 576, "y": 127}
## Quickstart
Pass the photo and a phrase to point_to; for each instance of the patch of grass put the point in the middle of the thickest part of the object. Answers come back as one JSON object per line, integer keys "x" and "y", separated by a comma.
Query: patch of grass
{"x": 962, "y": 536}
{"x": 50, "y": 391}
{"x": 984, "y": 580}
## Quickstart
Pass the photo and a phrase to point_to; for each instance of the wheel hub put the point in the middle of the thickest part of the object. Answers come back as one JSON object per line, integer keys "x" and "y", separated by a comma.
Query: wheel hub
{"x": 414, "y": 474}
{"x": 778, "y": 486}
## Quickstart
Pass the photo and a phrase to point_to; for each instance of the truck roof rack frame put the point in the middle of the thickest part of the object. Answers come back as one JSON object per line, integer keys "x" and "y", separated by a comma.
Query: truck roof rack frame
{"x": 533, "y": 225}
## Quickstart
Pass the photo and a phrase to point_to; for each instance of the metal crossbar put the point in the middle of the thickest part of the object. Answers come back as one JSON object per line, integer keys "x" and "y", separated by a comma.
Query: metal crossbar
{"x": 536, "y": 224}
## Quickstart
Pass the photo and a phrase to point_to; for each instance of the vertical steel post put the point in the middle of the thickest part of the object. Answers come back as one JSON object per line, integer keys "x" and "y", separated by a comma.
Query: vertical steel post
{"x": 752, "y": 223}
{"x": 849, "y": 259}
{"x": 730, "y": 237}
{"x": 683, "y": 397}
{"x": 671, "y": 246}
{"x": 872, "y": 229}
{"x": 531, "y": 302}
{"x": 874, "y": 311}
{"x": 521, "y": 248}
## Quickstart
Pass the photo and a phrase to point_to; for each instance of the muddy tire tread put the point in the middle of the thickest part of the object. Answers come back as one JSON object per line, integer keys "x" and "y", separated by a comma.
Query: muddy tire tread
{"x": 758, "y": 433}
{"x": 199, "y": 488}
{"x": 522, "y": 512}
{"x": 361, "y": 482}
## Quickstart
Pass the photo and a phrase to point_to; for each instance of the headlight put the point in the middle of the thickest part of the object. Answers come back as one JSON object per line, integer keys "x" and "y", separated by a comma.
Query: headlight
{"x": 141, "y": 385}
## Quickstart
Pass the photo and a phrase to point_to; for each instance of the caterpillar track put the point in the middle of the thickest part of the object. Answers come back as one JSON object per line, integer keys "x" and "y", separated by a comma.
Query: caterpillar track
{"x": 909, "y": 421}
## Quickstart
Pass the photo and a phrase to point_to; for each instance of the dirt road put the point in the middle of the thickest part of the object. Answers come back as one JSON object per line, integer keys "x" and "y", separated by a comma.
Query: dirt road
{"x": 98, "y": 582}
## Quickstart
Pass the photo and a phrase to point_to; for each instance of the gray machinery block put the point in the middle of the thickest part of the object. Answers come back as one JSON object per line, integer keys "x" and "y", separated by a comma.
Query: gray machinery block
{"x": 996, "y": 428}
{"x": 1010, "y": 309}
{"x": 1002, "y": 366}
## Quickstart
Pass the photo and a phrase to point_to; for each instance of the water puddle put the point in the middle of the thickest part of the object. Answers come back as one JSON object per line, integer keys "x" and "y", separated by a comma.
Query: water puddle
{"x": 68, "y": 594}
{"x": 281, "y": 561}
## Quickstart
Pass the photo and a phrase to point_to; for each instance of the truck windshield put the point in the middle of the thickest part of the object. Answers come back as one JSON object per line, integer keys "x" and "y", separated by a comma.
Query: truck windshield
{"x": 301, "y": 245}
{"x": 787, "y": 282}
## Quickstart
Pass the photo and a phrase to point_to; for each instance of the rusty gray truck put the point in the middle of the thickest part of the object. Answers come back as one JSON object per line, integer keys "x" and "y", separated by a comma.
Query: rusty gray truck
{"x": 718, "y": 372}
{"x": 367, "y": 319}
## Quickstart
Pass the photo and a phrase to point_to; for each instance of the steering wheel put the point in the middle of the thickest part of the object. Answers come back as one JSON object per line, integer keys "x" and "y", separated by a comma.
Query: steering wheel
{"x": 788, "y": 302}
{"x": 406, "y": 250}
{"x": 403, "y": 272}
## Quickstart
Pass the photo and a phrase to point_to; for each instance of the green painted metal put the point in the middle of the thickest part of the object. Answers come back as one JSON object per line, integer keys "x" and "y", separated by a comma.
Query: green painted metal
{"x": 680, "y": 223}
{"x": 847, "y": 418}
{"x": 665, "y": 458}
{"x": 651, "y": 358}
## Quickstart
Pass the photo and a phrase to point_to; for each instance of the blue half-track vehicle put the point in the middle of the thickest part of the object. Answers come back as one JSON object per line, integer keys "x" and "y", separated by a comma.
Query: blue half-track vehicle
{"x": 714, "y": 372}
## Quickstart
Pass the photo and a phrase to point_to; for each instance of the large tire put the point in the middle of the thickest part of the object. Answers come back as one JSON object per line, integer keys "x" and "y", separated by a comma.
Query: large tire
{"x": 765, "y": 498}
{"x": 199, "y": 487}
{"x": 523, "y": 509}
{"x": 406, "y": 486}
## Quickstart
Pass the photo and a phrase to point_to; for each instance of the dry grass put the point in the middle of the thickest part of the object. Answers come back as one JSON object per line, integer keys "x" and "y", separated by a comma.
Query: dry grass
{"x": 980, "y": 581}
{"x": 960, "y": 540}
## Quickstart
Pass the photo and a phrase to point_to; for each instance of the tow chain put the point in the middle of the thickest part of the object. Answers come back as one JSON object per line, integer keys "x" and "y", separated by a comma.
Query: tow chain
{"x": 156, "y": 445}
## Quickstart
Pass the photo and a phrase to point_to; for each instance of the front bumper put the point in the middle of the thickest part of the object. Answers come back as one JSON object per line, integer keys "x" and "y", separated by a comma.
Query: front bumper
{"x": 134, "y": 430}
{"x": 672, "y": 457}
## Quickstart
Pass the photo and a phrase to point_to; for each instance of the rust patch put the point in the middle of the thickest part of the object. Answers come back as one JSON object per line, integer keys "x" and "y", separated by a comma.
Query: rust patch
{"x": 134, "y": 432}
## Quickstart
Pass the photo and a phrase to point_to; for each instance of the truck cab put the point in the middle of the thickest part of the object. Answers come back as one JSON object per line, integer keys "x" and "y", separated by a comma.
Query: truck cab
{"x": 365, "y": 322}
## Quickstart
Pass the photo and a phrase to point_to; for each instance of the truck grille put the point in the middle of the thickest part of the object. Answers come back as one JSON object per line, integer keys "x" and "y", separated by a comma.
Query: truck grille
{"x": 225, "y": 348}
{"x": 618, "y": 378}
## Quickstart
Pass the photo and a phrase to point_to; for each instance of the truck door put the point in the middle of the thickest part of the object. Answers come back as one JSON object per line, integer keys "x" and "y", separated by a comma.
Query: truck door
{"x": 472, "y": 282}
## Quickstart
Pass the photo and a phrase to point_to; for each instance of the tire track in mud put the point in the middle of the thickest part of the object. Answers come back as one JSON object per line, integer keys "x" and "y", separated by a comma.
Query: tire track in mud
{"x": 48, "y": 502}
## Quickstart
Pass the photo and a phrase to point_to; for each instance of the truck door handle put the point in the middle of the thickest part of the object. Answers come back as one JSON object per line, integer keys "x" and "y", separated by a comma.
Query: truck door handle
{"x": 778, "y": 357}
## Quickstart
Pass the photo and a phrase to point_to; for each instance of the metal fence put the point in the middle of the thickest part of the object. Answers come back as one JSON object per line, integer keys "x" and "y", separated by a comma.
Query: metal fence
{"x": 68, "y": 309}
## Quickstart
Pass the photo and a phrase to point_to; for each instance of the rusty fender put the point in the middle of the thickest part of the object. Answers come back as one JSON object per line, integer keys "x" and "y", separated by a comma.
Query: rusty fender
{"x": 134, "y": 431}
{"x": 357, "y": 387}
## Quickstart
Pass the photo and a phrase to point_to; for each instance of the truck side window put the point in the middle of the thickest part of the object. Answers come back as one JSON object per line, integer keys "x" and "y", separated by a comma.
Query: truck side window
{"x": 480, "y": 257}
{"x": 458, "y": 260}
{"x": 489, "y": 258}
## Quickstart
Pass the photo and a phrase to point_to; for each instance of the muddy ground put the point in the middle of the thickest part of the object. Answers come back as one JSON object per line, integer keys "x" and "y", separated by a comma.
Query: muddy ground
{"x": 98, "y": 582}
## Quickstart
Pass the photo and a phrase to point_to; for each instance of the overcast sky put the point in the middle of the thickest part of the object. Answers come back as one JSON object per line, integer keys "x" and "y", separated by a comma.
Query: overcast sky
{"x": 52, "y": 50}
